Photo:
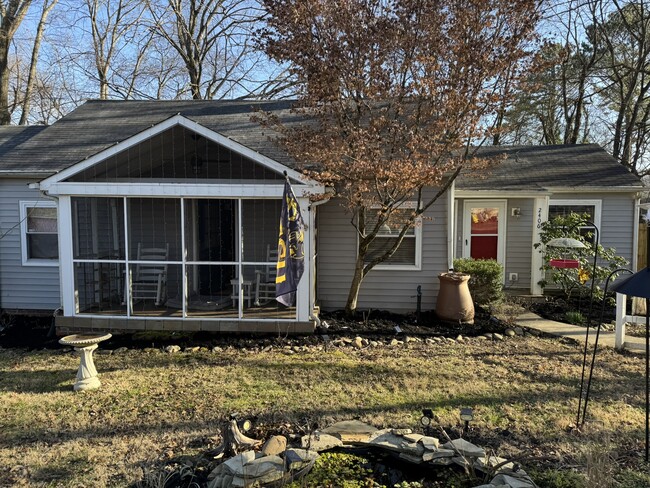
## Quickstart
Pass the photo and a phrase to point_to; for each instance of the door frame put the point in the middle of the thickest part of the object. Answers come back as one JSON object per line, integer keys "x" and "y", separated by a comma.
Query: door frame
{"x": 501, "y": 229}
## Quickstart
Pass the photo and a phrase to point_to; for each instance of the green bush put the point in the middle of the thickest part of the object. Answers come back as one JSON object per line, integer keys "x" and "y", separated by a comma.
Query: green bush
{"x": 486, "y": 281}
{"x": 574, "y": 317}
{"x": 333, "y": 469}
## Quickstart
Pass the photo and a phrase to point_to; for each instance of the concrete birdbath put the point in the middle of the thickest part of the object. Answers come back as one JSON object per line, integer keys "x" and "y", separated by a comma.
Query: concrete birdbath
{"x": 85, "y": 344}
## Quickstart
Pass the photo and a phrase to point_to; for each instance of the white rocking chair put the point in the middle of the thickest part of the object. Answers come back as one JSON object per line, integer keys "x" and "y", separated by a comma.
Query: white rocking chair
{"x": 150, "y": 279}
{"x": 265, "y": 278}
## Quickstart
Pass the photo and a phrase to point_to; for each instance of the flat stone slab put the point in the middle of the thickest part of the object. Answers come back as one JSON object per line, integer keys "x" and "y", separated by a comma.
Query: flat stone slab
{"x": 319, "y": 441}
{"x": 351, "y": 430}
{"x": 488, "y": 463}
{"x": 297, "y": 458}
{"x": 465, "y": 448}
{"x": 430, "y": 443}
{"x": 439, "y": 454}
{"x": 513, "y": 482}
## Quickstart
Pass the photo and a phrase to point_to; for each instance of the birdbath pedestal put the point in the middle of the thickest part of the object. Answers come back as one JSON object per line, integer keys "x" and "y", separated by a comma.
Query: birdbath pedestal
{"x": 85, "y": 344}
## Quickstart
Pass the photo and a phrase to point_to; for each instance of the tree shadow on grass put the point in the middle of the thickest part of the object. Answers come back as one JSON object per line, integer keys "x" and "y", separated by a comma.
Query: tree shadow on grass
{"x": 37, "y": 381}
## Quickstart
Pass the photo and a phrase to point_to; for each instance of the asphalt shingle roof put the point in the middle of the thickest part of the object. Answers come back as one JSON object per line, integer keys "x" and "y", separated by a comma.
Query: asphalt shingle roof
{"x": 540, "y": 167}
{"x": 98, "y": 125}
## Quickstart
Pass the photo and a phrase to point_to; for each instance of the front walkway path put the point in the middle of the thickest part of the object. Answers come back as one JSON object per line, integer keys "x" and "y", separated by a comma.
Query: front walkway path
{"x": 533, "y": 321}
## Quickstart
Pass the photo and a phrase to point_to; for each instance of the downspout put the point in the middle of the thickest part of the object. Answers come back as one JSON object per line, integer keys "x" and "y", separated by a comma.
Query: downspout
{"x": 451, "y": 202}
{"x": 47, "y": 196}
{"x": 312, "y": 289}
{"x": 635, "y": 236}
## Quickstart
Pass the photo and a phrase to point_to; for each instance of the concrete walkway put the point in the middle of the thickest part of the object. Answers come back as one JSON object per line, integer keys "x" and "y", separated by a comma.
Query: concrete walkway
{"x": 533, "y": 321}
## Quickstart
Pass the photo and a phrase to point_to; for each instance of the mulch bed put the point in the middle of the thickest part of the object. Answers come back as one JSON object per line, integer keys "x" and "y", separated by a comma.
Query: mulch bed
{"x": 34, "y": 332}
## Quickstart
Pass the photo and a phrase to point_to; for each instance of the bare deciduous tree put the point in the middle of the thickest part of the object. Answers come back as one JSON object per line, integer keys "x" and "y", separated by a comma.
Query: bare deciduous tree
{"x": 48, "y": 5}
{"x": 213, "y": 40}
{"x": 12, "y": 13}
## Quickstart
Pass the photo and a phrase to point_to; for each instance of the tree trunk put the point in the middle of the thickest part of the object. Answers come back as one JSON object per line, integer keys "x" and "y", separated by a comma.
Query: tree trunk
{"x": 31, "y": 78}
{"x": 5, "y": 116}
{"x": 355, "y": 287}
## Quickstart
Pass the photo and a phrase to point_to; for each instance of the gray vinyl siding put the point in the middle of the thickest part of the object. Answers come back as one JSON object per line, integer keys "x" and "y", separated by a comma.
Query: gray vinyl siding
{"x": 392, "y": 290}
{"x": 519, "y": 242}
{"x": 22, "y": 287}
{"x": 616, "y": 220}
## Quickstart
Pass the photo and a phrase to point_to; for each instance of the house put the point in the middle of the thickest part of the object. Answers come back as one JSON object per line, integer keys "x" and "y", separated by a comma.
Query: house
{"x": 163, "y": 215}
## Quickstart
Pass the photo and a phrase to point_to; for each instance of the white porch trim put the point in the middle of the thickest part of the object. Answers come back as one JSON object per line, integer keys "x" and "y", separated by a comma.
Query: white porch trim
{"x": 48, "y": 183}
{"x": 540, "y": 209}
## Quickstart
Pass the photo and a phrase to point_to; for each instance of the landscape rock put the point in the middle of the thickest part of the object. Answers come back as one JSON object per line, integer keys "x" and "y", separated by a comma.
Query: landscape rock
{"x": 297, "y": 458}
{"x": 358, "y": 342}
{"x": 464, "y": 448}
{"x": 172, "y": 349}
{"x": 394, "y": 342}
{"x": 497, "y": 337}
{"x": 351, "y": 431}
{"x": 439, "y": 454}
{"x": 217, "y": 349}
{"x": 275, "y": 444}
{"x": 192, "y": 349}
{"x": 510, "y": 332}
{"x": 487, "y": 463}
{"x": 514, "y": 482}
{"x": 235, "y": 465}
{"x": 430, "y": 443}
{"x": 121, "y": 350}
{"x": 519, "y": 331}
{"x": 319, "y": 441}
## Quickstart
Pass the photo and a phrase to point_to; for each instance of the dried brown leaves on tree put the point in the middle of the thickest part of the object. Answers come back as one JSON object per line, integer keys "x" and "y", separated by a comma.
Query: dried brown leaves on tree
{"x": 395, "y": 92}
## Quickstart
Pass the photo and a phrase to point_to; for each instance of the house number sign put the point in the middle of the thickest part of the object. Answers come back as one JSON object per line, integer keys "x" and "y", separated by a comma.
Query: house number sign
{"x": 539, "y": 218}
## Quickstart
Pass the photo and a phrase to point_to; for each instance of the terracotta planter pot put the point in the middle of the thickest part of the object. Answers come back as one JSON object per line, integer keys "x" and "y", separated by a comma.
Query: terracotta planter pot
{"x": 454, "y": 300}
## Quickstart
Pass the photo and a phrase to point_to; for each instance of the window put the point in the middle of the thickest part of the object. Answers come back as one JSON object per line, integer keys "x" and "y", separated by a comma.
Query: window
{"x": 562, "y": 208}
{"x": 408, "y": 254}
{"x": 39, "y": 236}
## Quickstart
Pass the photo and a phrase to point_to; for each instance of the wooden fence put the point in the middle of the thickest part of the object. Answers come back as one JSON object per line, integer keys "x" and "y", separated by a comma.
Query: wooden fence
{"x": 642, "y": 248}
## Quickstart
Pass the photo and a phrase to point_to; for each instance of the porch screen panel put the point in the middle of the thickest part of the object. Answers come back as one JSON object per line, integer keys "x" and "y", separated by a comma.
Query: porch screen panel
{"x": 260, "y": 230}
{"x": 98, "y": 228}
{"x": 155, "y": 223}
{"x": 156, "y": 289}
{"x": 177, "y": 155}
{"x": 100, "y": 288}
{"x": 211, "y": 230}
{"x": 212, "y": 291}
{"x": 263, "y": 304}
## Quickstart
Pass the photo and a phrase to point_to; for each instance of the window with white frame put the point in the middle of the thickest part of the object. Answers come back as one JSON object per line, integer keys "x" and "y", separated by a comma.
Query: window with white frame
{"x": 408, "y": 254}
{"x": 590, "y": 208}
{"x": 39, "y": 233}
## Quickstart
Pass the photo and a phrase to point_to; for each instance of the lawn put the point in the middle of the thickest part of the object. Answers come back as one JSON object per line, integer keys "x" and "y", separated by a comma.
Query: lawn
{"x": 154, "y": 406}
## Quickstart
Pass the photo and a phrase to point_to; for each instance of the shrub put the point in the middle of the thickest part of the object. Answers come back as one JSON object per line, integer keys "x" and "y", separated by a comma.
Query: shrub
{"x": 574, "y": 317}
{"x": 486, "y": 281}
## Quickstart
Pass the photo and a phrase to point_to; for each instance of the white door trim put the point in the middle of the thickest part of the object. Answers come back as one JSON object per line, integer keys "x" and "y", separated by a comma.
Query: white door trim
{"x": 501, "y": 230}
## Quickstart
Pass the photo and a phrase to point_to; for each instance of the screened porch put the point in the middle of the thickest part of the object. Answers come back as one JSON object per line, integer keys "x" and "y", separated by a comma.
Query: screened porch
{"x": 206, "y": 258}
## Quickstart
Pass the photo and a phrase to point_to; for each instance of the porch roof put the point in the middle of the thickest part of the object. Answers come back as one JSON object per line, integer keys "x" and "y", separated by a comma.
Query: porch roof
{"x": 538, "y": 168}
{"x": 99, "y": 124}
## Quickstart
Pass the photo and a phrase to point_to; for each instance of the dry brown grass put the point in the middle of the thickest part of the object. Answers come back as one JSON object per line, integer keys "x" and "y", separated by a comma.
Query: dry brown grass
{"x": 153, "y": 406}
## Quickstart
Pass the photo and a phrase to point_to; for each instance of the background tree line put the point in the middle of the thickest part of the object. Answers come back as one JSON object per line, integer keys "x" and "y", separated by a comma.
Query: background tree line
{"x": 591, "y": 83}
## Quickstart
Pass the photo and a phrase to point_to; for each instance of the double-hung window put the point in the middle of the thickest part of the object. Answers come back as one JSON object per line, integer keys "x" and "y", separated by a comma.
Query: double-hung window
{"x": 39, "y": 233}
{"x": 590, "y": 208}
{"x": 408, "y": 255}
